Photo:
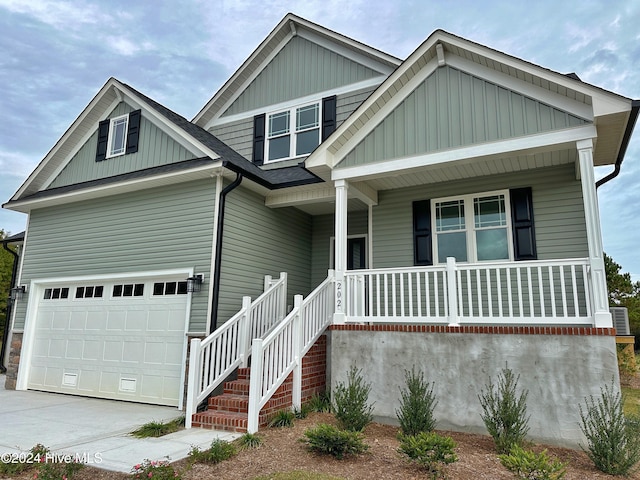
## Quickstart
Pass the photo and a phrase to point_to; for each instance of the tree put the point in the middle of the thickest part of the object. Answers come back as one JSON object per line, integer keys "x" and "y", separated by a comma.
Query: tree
{"x": 6, "y": 266}
{"x": 624, "y": 293}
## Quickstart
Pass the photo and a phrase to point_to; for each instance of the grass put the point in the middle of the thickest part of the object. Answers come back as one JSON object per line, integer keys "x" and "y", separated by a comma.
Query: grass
{"x": 158, "y": 429}
{"x": 297, "y": 475}
{"x": 631, "y": 401}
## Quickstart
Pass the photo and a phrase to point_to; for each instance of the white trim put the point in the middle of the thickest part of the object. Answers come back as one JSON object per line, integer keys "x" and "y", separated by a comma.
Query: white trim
{"x": 370, "y": 234}
{"x": 214, "y": 243}
{"x": 539, "y": 142}
{"x": 112, "y": 122}
{"x": 354, "y": 87}
{"x": 36, "y": 288}
{"x": 293, "y": 131}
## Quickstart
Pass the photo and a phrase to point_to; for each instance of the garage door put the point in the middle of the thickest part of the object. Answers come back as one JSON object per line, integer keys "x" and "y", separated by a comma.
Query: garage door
{"x": 121, "y": 340}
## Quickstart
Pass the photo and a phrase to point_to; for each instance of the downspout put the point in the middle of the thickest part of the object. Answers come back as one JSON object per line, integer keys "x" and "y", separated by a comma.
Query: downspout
{"x": 9, "y": 308}
{"x": 635, "y": 107}
{"x": 215, "y": 296}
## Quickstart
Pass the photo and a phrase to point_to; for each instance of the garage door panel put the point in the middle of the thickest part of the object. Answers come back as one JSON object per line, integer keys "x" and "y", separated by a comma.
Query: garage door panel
{"x": 126, "y": 348}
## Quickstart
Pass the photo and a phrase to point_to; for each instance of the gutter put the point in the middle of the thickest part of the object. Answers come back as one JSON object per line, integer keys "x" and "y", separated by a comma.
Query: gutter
{"x": 9, "y": 308}
{"x": 215, "y": 297}
{"x": 635, "y": 108}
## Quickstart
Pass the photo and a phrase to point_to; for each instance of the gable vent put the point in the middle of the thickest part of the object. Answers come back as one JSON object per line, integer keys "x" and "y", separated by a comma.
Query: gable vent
{"x": 620, "y": 320}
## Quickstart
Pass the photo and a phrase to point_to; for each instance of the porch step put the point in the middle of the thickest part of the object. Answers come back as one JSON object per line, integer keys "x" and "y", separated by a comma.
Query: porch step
{"x": 237, "y": 387}
{"x": 229, "y": 402}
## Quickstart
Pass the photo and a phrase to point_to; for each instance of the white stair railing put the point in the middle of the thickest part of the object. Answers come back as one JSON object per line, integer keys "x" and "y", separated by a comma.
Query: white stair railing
{"x": 213, "y": 359}
{"x": 280, "y": 353}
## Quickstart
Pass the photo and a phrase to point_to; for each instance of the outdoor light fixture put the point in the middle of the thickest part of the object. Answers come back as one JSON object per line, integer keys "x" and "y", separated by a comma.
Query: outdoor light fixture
{"x": 18, "y": 292}
{"x": 194, "y": 284}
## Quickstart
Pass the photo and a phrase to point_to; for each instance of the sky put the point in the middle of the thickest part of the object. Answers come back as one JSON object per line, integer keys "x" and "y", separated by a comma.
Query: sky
{"x": 56, "y": 55}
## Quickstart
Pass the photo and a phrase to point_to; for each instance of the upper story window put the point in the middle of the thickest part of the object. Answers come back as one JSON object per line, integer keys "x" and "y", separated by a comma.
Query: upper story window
{"x": 117, "y": 136}
{"x": 473, "y": 228}
{"x": 293, "y": 132}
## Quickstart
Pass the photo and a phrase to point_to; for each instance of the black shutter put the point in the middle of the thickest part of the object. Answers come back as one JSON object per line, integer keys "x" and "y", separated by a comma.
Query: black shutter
{"x": 258, "y": 139}
{"x": 103, "y": 140}
{"x": 133, "y": 132}
{"x": 422, "y": 251}
{"x": 524, "y": 237}
{"x": 328, "y": 116}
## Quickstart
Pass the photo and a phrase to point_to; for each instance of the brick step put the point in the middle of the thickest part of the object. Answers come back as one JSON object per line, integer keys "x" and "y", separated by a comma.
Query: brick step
{"x": 237, "y": 387}
{"x": 226, "y": 421}
{"x": 243, "y": 373}
{"x": 229, "y": 402}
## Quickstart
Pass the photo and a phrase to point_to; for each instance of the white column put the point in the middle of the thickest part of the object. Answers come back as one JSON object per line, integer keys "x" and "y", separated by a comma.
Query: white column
{"x": 340, "y": 249}
{"x": 602, "y": 317}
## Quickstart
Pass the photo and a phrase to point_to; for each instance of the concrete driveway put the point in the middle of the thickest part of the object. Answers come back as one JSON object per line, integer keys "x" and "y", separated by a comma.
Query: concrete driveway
{"x": 93, "y": 429}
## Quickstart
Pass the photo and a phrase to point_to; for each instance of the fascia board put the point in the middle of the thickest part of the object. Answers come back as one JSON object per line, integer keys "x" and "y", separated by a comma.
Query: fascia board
{"x": 25, "y": 206}
{"x": 538, "y": 142}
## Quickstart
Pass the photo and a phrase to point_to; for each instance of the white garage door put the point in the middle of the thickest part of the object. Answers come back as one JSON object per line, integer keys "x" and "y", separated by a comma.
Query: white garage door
{"x": 121, "y": 339}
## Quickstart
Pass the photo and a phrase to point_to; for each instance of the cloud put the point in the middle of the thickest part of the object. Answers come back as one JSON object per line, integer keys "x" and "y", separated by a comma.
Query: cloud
{"x": 59, "y": 14}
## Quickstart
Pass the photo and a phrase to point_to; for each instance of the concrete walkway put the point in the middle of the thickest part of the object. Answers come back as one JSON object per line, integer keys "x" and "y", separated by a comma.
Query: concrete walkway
{"x": 94, "y": 429}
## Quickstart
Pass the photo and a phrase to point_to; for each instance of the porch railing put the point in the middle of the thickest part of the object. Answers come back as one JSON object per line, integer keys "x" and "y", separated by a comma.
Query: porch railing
{"x": 535, "y": 292}
{"x": 213, "y": 359}
{"x": 280, "y": 353}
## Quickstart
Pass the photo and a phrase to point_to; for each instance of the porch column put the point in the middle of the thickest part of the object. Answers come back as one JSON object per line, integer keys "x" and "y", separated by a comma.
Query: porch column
{"x": 340, "y": 249}
{"x": 602, "y": 317}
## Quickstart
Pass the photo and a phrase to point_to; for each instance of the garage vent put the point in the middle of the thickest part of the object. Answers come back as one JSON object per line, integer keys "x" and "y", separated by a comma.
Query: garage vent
{"x": 70, "y": 379}
{"x": 620, "y": 320}
{"x": 127, "y": 384}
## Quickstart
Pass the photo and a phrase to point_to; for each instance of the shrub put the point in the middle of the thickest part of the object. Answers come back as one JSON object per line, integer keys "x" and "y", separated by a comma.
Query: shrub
{"x": 505, "y": 413}
{"x": 158, "y": 429}
{"x": 47, "y": 466}
{"x": 249, "y": 440}
{"x": 320, "y": 403}
{"x": 302, "y": 412}
{"x": 613, "y": 440}
{"x": 429, "y": 450}
{"x": 156, "y": 469}
{"x": 531, "y": 466}
{"x": 218, "y": 451}
{"x": 327, "y": 439}
{"x": 350, "y": 402}
{"x": 283, "y": 418}
{"x": 418, "y": 402}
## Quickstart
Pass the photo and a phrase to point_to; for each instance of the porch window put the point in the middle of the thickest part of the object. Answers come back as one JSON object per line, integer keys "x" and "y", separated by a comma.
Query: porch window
{"x": 473, "y": 227}
{"x": 293, "y": 132}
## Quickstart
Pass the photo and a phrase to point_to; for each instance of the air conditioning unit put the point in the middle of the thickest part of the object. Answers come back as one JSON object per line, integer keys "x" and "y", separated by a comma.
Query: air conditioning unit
{"x": 620, "y": 320}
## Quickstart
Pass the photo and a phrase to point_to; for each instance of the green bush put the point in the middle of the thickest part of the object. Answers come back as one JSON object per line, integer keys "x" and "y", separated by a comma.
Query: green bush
{"x": 47, "y": 466}
{"x": 156, "y": 469}
{"x": 531, "y": 466}
{"x": 429, "y": 450}
{"x": 350, "y": 402}
{"x": 418, "y": 402}
{"x": 248, "y": 441}
{"x": 302, "y": 412}
{"x": 504, "y": 412}
{"x": 330, "y": 440}
{"x": 158, "y": 429}
{"x": 218, "y": 451}
{"x": 613, "y": 440}
{"x": 283, "y": 418}
{"x": 320, "y": 403}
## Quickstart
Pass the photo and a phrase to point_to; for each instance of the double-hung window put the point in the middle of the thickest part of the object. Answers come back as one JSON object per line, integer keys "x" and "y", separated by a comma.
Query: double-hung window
{"x": 118, "y": 136}
{"x": 473, "y": 228}
{"x": 293, "y": 132}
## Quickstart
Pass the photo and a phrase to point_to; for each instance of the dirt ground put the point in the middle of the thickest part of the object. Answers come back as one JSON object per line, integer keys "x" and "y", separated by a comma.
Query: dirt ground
{"x": 281, "y": 451}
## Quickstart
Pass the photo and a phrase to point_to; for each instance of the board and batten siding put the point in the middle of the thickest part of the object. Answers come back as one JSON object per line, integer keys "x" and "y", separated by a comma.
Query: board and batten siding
{"x": 452, "y": 109}
{"x": 261, "y": 241}
{"x": 155, "y": 148}
{"x": 323, "y": 230}
{"x": 153, "y": 229}
{"x": 557, "y": 208}
{"x": 301, "y": 68}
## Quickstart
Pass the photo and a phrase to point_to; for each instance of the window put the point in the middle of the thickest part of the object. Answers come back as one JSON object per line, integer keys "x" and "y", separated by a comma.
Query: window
{"x": 90, "y": 292}
{"x": 128, "y": 290}
{"x": 293, "y": 132}
{"x": 118, "y": 136}
{"x": 170, "y": 288}
{"x": 56, "y": 293}
{"x": 473, "y": 228}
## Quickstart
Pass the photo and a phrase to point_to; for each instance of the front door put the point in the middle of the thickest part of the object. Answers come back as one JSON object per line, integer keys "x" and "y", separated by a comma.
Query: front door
{"x": 356, "y": 248}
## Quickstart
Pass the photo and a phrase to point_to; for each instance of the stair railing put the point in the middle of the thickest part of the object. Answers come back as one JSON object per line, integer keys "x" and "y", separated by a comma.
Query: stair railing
{"x": 214, "y": 358}
{"x": 281, "y": 351}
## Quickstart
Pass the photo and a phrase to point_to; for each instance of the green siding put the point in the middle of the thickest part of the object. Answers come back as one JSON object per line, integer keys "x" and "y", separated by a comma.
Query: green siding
{"x": 557, "y": 205}
{"x": 453, "y": 109}
{"x": 260, "y": 241}
{"x": 323, "y": 230}
{"x": 300, "y": 68}
{"x": 155, "y": 148}
{"x": 140, "y": 231}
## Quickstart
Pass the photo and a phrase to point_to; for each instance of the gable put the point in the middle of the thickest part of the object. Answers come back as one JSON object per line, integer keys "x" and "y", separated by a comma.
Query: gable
{"x": 452, "y": 109}
{"x": 301, "y": 68}
{"x": 155, "y": 148}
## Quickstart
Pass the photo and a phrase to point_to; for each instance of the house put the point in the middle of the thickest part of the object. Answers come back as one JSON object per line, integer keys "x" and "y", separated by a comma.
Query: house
{"x": 330, "y": 206}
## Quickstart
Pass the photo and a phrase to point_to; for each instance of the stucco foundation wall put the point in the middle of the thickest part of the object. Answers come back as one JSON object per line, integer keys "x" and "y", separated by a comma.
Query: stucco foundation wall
{"x": 559, "y": 371}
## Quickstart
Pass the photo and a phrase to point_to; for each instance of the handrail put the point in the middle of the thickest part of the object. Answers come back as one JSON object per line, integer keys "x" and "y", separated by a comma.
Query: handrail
{"x": 214, "y": 358}
{"x": 280, "y": 353}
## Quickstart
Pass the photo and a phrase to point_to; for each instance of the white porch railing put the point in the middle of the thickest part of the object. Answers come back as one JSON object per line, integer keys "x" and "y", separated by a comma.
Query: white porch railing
{"x": 277, "y": 355}
{"x": 213, "y": 359}
{"x": 534, "y": 292}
